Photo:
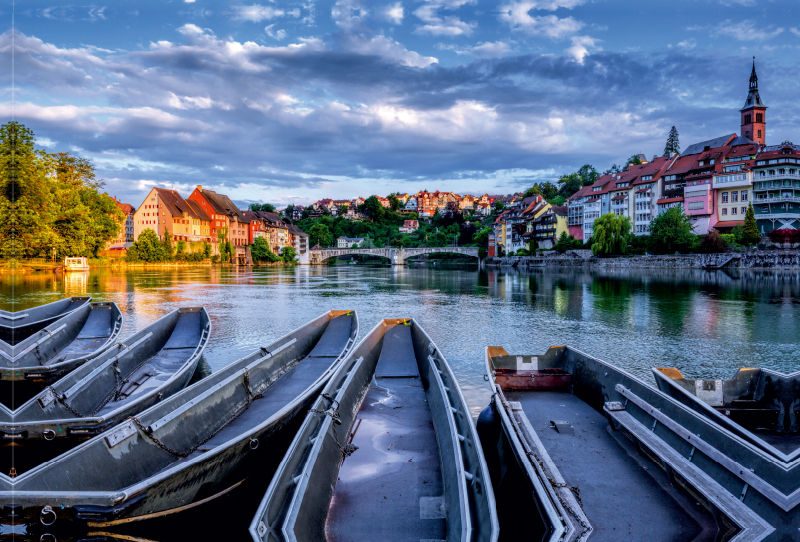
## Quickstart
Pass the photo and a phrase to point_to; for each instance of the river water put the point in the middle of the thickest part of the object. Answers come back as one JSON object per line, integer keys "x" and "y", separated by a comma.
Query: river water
{"x": 705, "y": 323}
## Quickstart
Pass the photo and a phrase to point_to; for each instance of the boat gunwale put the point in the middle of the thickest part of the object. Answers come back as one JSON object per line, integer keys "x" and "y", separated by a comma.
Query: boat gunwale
{"x": 86, "y": 300}
{"x": 121, "y": 495}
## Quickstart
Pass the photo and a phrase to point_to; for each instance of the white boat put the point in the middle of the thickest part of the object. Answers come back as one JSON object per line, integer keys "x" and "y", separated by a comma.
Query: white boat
{"x": 76, "y": 264}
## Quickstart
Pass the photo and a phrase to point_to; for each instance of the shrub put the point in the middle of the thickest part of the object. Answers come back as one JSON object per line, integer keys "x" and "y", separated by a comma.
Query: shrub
{"x": 784, "y": 235}
{"x": 288, "y": 254}
{"x": 567, "y": 242}
{"x": 713, "y": 242}
{"x": 147, "y": 248}
{"x": 671, "y": 231}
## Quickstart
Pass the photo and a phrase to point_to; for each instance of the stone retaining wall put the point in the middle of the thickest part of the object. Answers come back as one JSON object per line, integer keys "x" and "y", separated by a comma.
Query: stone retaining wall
{"x": 769, "y": 259}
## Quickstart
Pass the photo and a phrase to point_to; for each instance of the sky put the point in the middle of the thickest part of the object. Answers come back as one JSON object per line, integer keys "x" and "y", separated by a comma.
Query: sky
{"x": 293, "y": 101}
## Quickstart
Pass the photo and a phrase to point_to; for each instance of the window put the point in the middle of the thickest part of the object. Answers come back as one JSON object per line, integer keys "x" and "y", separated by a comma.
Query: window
{"x": 733, "y": 210}
{"x": 759, "y": 118}
{"x": 712, "y": 161}
{"x": 695, "y": 205}
{"x": 759, "y": 133}
{"x": 744, "y": 210}
{"x": 748, "y": 119}
{"x": 724, "y": 197}
{"x": 734, "y": 196}
{"x": 724, "y": 212}
{"x": 744, "y": 195}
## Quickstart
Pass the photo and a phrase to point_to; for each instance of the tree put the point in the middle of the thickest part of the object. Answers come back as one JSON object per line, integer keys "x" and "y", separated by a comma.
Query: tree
{"x": 147, "y": 248}
{"x": 482, "y": 237}
{"x": 499, "y": 206}
{"x": 549, "y": 190}
{"x": 633, "y": 161}
{"x": 288, "y": 254}
{"x": 266, "y": 207}
{"x": 451, "y": 214}
{"x": 289, "y": 211}
{"x": 567, "y": 242}
{"x": 671, "y": 231}
{"x": 610, "y": 234}
{"x": 588, "y": 175}
{"x": 394, "y": 203}
{"x": 750, "y": 233}
{"x": 569, "y": 184}
{"x": 532, "y": 191}
{"x": 167, "y": 244}
{"x": 713, "y": 243}
{"x": 373, "y": 208}
{"x": 261, "y": 252}
{"x": 319, "y": 234}
{"x": 673, "y": 144}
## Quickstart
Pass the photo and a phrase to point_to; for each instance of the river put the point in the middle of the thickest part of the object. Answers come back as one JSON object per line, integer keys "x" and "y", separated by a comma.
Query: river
{"x": 705, "y": 323}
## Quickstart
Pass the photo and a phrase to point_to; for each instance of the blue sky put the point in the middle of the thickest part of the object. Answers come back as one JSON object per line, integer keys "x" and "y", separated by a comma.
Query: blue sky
{"x": 289, "y": 102}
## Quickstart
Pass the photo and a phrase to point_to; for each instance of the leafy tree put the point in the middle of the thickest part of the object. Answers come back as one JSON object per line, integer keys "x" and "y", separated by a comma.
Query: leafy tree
{"x": 588, "y": 175}
{"x": 610, "y": 233}
{"x": 451, "y": 214}
{"x": 499, "y": 206}
{"x": 261, "y": 252}
{"x": 750, "y": 233}
{"x": 482, "y": 237}
{"x": 266, "y": 207}
{"x": 319, "y": 234}
{"x": 467, "y": 234}
{"x": 394, "y": 203}
{"x": 549, "y": 190}
{"x": 633, "y": 161}
{"x": 206, "y": 249}
{"x": 373, "y": 208}
{"x": 288, "y": 254}
{"x": 147, "y": 248}
{"x": 368, "y": 242}
{"x": 673, "y": 144}
{"x": 569, "y": 184}
{"x": 289, "y": 211}
{"x": 180, "y": 247}
{"x": 532, "y": 191}
{"x": 167, "y": 244}
{"x": 612, "y": 170}
{"x": 712, "y": 243}
{"x": 222, "y": 234}
{"x": 567, "y": 242}
{"x": 343, "y": 210}
{"x": 671, "y": 231}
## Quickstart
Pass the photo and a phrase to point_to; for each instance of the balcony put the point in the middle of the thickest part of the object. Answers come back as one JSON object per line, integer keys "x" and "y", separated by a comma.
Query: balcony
{"x": 768, "y": 177}
{"x": 778, "y": 216}
{"x": 737, "y": 179}
{"x": 776, "y": 199}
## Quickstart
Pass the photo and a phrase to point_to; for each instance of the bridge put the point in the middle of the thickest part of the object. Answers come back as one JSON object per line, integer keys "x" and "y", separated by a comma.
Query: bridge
{"x": 397, "y": 256}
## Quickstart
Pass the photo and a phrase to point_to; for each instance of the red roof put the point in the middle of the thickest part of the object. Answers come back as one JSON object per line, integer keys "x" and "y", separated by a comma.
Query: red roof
{"x": 727, "y": 224}
{"x": 620, "y": 196}
{"x": 669, "y": 200}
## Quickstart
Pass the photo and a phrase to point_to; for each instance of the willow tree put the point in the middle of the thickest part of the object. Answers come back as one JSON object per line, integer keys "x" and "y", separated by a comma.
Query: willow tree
{"x": 610, "y": 233}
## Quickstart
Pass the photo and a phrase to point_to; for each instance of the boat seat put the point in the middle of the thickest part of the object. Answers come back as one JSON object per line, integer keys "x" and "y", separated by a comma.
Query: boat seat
{"x": 187, "y": 331}
{"x": 334, "y": 339}
{"x": 397, "y": 354}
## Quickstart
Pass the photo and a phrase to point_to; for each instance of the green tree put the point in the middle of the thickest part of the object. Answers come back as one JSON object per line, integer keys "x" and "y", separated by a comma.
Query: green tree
{"x": 532, "y": 191}
{"x": 394, "y": 203}
{"x": 549, "y": 190}
{"x": 482, "y": 237}
{"x": 499, "y": 206}
{"x": 289, "y": 211}
{"x": 567, "y": 242}
{"x": 261, "y": 252}
{"x": 319, "y": 234}
{"x": 671, "y": 231}
{"x": 373, "y": 208}
{"x": 569, "y": 184}
{"x": 609, "y": 234}
{"x": 147, "y": 248}
{"x": 750, "y": 233}
{"x": 633, "y": 161}
{"x": 266, "y": 207}
{"x": 167, "y": 244}
{"x": 288, "y": 254}
{"x": 588, "y": 175}
{"x": 673, "y": 143}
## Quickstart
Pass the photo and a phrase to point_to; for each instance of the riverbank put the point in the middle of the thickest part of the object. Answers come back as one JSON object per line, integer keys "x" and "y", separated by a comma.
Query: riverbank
{"x": 759, "y": 259}
{"x": 24, "y": 267}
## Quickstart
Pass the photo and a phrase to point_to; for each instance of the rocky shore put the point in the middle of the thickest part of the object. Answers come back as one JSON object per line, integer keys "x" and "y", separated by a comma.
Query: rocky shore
{"x": 757, "y": 259}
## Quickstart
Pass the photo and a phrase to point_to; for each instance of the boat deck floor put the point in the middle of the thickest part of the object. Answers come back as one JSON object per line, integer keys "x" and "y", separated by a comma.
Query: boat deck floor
{"x": 277, "y": 396}
{"x": 153, "y": 374}
{"x": 624, "y": 495}
{"x": 78, "y": 348}
{"x": 391, "y": 487}
{"x": 785, "y": 443}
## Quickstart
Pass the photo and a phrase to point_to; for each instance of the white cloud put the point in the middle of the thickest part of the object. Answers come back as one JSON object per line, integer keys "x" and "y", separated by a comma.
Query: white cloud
{"x": 796, "y": 31}
{"x": 394, "y": 13}
{"x": 189, "y": 1}
{"x": 518, "y": 17}
{"x": 482, "y": 50}
{"x": 277, "y": 34}
{"x": 581, "y": 46}
{"x": 437, "y": 25}
{"x": 742, "y": 31}
{"x": 691, "y": 43}
{"x": 387, "y": 48}
{"x": 257, "y": 13}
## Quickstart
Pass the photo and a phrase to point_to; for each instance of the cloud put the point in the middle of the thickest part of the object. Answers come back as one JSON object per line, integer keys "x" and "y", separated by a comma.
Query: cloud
{"x": 690, "y": 43}
{"x": 278, "y": 34}
{"x": 580, "y": 48}
{"x": 72, "y": 13}
{"x": 517, "y": 16}
{"x": 482, "y": 50}
{"x": 746, "y": 3}
{"x": 257, "y": 13}
{"x": 742, "y": 31}
{"x": 394, "y": 13}
{"x": 449, "y": 25}
{"x": 796, "y": 31}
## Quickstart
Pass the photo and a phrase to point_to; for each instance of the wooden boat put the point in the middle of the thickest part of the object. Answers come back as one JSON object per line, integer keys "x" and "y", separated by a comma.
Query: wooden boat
{"x": 138, "y": 372}
{"x": 76, "y": 264}
{"x": 387, "y": 452}
{"x": 192, "y": 447}
{"x": 63, "y": 345}
{"x": 17, "y": 326}
{"x": 759, "y": 405}
{"x": 602, "y": 456}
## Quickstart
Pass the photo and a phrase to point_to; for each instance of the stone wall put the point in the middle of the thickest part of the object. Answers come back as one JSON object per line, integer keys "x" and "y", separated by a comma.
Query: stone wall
{"x": 760, "y": 259}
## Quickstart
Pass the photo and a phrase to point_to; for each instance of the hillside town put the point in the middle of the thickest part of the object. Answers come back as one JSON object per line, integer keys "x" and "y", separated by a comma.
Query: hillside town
{"x": 714, "y": 182}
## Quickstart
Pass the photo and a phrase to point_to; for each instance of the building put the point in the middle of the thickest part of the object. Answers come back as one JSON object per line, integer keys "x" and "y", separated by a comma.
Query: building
{"x": 575, "y": 212}
{"x": 224, "y": 217}
{"x": 200, "y": 224}
{"x": 297, "y": 212}
{"x": 754, "y": 113}
{"x": 348, "y": 242}
{"x": 409, "y": 226}
{"x": 411, "y": 205}
{"x": 125, "y": 237}
{"x": 776, "y": 187}
{"x": 546, "y": 226}
{"x": 402, "y": 198}
{"x": 299, "y": 240}
{"x": 164, "y": 211}
{"x": 384, "y": 201}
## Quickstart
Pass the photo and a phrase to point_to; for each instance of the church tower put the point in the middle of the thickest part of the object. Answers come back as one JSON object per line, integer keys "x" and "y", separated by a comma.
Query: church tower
{"x": 754, "y": 119}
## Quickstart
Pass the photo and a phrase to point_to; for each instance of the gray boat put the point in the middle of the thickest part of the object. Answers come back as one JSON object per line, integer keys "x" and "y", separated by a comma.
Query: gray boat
{"x": 387, "y": 452}
{"x": 63, "y": 345}
{"x": 759, "y": 405}
{"x": 191, "y": 448}
{"x": 18, "y": 326}
{"x": 128, "y": 378}
{"x": 602, "y": 456}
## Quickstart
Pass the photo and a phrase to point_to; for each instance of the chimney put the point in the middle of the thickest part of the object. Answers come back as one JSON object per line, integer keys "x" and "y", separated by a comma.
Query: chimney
{"x": 199, "y": 187}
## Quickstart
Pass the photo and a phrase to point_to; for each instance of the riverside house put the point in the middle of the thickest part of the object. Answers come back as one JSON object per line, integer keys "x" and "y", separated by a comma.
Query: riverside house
{"x": 164, "y": 210}
{"x": 348, "y": 242}
{"x": 223, "y": 214}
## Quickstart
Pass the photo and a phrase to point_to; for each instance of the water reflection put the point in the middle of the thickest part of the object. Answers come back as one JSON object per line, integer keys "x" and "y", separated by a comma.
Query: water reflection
{"x": 706, "y": 323}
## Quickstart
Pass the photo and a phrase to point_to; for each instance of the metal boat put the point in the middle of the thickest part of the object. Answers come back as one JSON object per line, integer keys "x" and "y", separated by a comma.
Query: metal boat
{"x": 63, "y": 345}
{"x": 17, "y": 326}
{"x": 759, "y": 405}
{"x": 189, "y": 448}
{"x": 128, "y": 378}
{"x": 387, "y": 452}
{"x": 602, "y": 456}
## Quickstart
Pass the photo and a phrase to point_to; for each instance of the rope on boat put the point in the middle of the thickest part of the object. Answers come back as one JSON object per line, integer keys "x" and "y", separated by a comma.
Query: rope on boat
{"x": 348, "y": 449}
{"x": 251, "y": 397}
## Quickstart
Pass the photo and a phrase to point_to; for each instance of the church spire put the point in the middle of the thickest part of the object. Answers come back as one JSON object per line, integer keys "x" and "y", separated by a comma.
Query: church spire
{"x": 753, "y": 77}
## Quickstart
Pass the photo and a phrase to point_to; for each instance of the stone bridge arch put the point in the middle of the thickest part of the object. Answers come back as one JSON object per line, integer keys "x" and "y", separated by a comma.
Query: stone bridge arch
{"x": 397, "y": 256}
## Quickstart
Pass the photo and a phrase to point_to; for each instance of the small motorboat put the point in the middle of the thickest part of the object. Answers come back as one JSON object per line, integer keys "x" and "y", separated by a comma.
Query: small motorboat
{"x": 759, "y": 405}
{"x": 17, "y": 326}
{"x": 76, "y": 264}
{"x": 128, "y": 378}
{"x": 579, "y": 449}
{"x": 63, "y": 345}
{"x": 388, "y": 451}
{"x": 190, "y": 448}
